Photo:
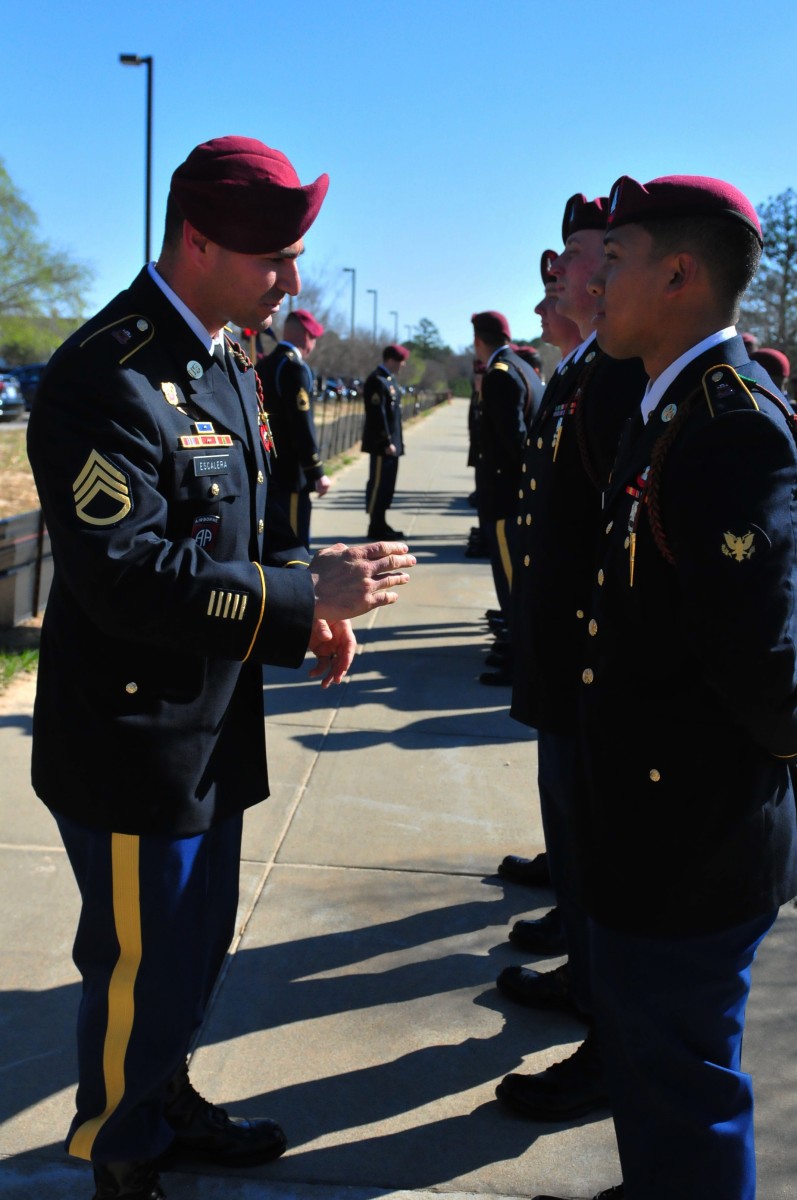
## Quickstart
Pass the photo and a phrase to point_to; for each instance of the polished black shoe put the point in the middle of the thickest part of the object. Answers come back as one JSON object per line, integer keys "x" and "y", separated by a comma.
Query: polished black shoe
{"x": 203, "y": 1130}
{"x": 570, "y": 1088}
{"x": 613, "y": 1193}
{"x": 127, "y": 1181}
{"x": 498, "y": 658}
{"x": 500, "y": 678}
{"x": 384, "y": 533}
{"x": 543, "y": 936}
{"x": 539, "y": 989}
{"x": 531, "y": 871}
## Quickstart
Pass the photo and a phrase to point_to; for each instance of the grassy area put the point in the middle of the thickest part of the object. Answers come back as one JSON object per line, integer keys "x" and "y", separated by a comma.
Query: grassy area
{"x": 16, "y": 662}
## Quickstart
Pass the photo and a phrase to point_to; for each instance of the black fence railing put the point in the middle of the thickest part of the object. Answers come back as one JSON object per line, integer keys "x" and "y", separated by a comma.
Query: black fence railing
{"x": 339, "y": 421}
{"x": 26, "y": 567}
{"x": 26, "y": 563}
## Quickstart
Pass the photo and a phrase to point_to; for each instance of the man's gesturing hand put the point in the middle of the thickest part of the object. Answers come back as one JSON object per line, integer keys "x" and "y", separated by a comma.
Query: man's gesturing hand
{"x": 351, "y": 580}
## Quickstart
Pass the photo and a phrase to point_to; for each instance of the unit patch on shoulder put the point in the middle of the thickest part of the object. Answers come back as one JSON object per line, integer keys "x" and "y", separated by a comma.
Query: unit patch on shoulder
{"x": 738, "y": 547}
{"x": 302, "y": 400}
{"x": 102, "y": 492}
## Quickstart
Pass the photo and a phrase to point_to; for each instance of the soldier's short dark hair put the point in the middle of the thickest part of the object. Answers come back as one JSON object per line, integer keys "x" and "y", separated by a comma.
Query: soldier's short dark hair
{"x": 173, "y": 230}
{"x": 729, "y": 250}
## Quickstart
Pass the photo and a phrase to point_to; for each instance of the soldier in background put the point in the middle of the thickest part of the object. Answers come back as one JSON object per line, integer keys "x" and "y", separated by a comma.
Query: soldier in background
{"x": 510, "y": 396}
{"x": 383, "y": 438}
{"x": 288, "y": 387}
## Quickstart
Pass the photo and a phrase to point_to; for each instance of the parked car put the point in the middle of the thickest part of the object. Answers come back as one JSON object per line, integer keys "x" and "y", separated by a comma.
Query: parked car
{"x": 12, "y": 405}
{"x": 28, "y": 378}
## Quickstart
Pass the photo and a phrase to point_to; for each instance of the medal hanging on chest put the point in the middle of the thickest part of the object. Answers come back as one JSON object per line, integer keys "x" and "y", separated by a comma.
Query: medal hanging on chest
{"x": 637, "y": 493}
{"x": 265, "y": 430}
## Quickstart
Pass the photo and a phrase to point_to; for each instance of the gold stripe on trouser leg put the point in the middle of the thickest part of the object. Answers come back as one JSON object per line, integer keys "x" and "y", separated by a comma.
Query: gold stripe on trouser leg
{"x": 377, "y": 481}
{"x": 503, "y": 550}
{"x": 293, "y": 515}
{"x": 121, "y": 1007}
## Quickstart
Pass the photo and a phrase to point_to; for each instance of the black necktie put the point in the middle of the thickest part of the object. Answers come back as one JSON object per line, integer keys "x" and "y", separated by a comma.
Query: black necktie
{"x": 220, "y": 357}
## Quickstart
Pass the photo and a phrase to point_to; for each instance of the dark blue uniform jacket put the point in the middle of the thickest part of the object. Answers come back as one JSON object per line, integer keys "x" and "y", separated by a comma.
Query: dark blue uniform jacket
{"x": 689, "y": 684}
{"x": 288, "y": 395}
{"x": 567, "y": 459}
{"x": 382, "y": 397}
{"x": 510, "y": 397}
{"x": 170, "y": 585}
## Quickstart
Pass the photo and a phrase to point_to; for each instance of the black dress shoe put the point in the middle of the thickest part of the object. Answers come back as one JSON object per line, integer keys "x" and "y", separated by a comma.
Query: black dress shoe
{"x": 500, "y": 678}
{"x": 613, "y": 1193}
{"x": 384, "y": 533}
{"x": 202, "y": 1130}
{"x": 539, "y": 989}
{"x": 531, "y": 871}
{"x": 570, "y": 1088}
{"x": 128, "y": 1180}
{"x": 498, "y": 658}
{"x": 543, "y": 936}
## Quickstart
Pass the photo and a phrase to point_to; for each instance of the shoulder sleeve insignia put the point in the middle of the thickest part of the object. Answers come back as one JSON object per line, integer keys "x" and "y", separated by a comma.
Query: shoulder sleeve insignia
{"x": 738, "y": 547}
{"x": 302, "y": 400}
{"x": 102, "y": 492}
{"x": 721, "y": 382}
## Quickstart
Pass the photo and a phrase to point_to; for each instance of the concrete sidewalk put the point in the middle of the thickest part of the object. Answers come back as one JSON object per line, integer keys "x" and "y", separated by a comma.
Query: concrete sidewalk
{"x": 358, "y": 1005}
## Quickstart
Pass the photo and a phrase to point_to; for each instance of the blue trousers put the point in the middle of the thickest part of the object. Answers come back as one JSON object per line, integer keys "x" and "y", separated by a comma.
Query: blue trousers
{"x": 297, "y": 508}
{"x": 157, "y": 916}
{"x": 670, "y": 1017}
{"x": 558, "y": 780}
{"x": 381, "y": 486}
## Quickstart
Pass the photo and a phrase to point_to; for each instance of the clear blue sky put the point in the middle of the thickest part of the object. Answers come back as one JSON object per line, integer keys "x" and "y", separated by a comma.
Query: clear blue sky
{"x": 453, "y": 130}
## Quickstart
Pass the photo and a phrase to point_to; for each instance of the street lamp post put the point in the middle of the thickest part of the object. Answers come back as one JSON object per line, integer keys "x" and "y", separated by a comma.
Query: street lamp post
{"x": 394, "y": 315}
{"x": 409, "y": 332}
{"x": 138, "y": 60}
{"x": 373, "y": 292}
{"x": 353, "y": 272}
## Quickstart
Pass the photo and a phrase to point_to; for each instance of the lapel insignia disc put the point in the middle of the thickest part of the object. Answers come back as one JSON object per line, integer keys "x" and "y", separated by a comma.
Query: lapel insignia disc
{"x": 102, "y": 492}
{"x": 195, "y": 369}
{"x": 669, "y": 412}
{"x": 738, "y": 548}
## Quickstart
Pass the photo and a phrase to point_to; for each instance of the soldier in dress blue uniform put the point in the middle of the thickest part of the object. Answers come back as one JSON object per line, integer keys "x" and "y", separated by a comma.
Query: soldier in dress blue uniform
{"x": 688, "y": 690}
{"x": 510, "y": 396}
{"x": 383, "y": 438}
{"x": 288, "y": 385}
{"x": 566, "y": 462}
{"x": 174, "y": 581}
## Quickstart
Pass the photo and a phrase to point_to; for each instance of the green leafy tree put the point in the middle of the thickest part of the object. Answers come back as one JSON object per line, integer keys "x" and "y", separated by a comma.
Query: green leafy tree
{"x": 40, "y": 286}
{"x": 770, "y": 306}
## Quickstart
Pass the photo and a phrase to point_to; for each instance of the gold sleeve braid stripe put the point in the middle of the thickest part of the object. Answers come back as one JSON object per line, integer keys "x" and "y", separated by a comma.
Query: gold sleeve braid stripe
{"x": 121, "y": 999}
{"x": 260, "y": 614}
{"x": 227, "y": 605}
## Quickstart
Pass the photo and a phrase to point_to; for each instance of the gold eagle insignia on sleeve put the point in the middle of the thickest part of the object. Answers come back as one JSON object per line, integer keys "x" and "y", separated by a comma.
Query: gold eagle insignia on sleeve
{"x": 738, "y": 547}
{"x": 102, "y": 492}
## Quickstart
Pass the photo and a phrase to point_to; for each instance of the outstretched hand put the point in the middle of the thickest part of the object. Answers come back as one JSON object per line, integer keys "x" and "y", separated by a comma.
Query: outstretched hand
{"x": 351, "y": 580}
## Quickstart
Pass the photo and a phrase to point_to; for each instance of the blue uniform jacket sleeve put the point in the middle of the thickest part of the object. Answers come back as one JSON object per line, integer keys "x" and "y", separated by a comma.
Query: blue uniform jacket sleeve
{"x": 730, "y": 520}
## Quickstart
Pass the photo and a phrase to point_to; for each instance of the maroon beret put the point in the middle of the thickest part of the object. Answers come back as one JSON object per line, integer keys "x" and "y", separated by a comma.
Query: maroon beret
{"x": 581, "y": 213}
{"x": 545, "y": 265}
{"x": 679, "y": 196}
{"x": 773, "y": 361}
{"x": 246, "y": 196}
{"x": 313, "y": 327}
{"x": 400, "y": 353}
{"x": 491, "y": 324}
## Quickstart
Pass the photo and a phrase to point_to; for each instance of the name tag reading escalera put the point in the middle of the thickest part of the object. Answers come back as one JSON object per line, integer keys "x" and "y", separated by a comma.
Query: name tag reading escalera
{"x": 218, "y": 465}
